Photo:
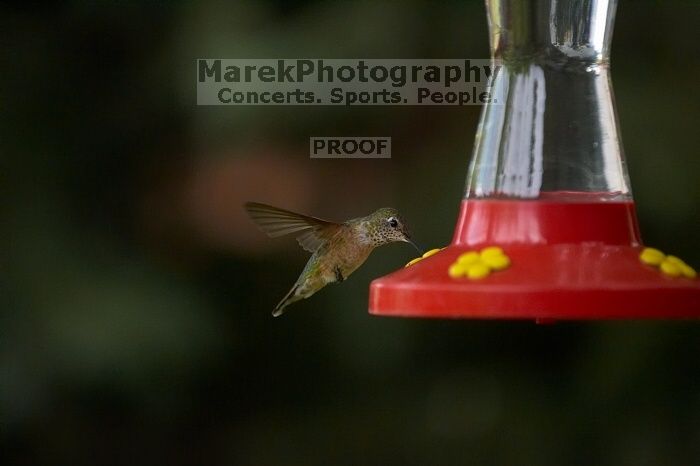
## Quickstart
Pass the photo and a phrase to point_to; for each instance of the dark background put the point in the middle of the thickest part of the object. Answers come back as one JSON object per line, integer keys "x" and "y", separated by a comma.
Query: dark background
{"x": 135, "y": 295}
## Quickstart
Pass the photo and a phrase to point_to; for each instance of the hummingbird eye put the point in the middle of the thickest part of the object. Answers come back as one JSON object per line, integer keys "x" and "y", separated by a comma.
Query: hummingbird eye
{"x": 393, "y": 222}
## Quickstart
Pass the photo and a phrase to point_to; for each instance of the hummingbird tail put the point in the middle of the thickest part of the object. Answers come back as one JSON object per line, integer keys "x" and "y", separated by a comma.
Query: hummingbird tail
{"x": 286, "y": 301}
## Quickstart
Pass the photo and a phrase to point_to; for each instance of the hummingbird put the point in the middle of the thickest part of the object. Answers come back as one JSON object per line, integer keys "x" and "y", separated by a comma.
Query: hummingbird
{"x": 337, "y": 249}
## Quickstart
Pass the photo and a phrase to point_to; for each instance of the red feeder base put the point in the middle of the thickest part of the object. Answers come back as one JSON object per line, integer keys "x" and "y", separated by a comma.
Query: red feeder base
{"x": 569, "y": 260}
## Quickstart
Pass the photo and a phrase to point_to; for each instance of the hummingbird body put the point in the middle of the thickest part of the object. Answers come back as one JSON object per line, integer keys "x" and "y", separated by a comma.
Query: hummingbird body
{"x": 338, "y": 248}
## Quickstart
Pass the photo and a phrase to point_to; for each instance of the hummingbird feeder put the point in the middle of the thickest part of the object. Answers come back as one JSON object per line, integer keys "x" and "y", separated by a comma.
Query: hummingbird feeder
{"x": 547, "y": 191}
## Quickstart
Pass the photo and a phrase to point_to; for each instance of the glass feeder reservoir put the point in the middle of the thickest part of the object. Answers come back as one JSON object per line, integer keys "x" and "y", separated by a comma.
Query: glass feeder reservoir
{"x": 547, "y": 229}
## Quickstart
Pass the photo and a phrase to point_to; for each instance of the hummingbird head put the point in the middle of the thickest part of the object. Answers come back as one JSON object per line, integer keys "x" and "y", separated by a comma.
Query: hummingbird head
{"x": 386, "y": 226}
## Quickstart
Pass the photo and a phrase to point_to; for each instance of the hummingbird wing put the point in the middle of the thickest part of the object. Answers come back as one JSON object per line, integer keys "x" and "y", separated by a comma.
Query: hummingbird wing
{"x": 311, "y": 232}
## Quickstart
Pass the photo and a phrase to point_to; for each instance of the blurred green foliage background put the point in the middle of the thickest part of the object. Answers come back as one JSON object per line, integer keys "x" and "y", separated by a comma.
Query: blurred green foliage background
{"x": 135, "y": 295}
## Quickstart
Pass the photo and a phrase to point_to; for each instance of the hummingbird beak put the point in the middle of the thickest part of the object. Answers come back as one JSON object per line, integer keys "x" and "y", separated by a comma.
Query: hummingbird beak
{"x": 410, "y": 241}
